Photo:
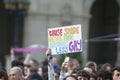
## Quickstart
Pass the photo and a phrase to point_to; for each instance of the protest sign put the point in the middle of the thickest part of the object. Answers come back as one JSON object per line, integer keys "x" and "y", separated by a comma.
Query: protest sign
{"x": 64, "y": 40}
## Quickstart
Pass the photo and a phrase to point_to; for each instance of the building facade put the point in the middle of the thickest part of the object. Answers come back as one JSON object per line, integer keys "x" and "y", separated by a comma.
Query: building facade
{"x": 44, "y": 14}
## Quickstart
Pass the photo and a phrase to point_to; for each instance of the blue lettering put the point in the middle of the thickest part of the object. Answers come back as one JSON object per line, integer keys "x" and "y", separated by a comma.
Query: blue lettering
{"x": 61, "y": 50}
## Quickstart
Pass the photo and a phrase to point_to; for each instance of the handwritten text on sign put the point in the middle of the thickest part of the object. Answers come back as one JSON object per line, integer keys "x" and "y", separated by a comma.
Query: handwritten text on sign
{"x": 64, "y": 40}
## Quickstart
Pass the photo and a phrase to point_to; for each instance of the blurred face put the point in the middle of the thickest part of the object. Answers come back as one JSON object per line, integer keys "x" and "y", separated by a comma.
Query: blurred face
{"x": 108, "y": 68}
{"x": 32, "y": 63}
{"x": 75, "y": 64}
{"x": 14, "y": 76}
{"x": 70, "y": 78}
{"x": 26, "y": 70}
{"x": 40, "y": 72}
{"x": 116, "y": 75}
{"x": 82, "y": 78}
{"x": 2, "y": 78}
{"x": 92, "y": 78}
{"x": 66, "y": 64}
{"x": 88, "y": 69}
{"x": 56, "y": 76}
{"x": 55, "y": 61}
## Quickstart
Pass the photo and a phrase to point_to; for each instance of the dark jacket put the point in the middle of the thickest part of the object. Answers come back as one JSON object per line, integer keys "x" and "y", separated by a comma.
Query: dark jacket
{"x": 34, "y": 76}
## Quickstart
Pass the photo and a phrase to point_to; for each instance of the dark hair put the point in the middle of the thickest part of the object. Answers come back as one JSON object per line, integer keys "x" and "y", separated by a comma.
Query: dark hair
{"x": 21, "y": 58}
{"x": 44, "y": 69}
{"x": 45, "y": 72}
{"x": 3, "y": 74}
{"x": 104, "y": 74}
{"x": 33, "y": 69}
{"x": 3, "y": 69}
{"x": 75, "y": 71}
{"x": 99, "y": 67}
{"x": 84, "y": 73}
{"x": 116, "y": 68}
{"x": 70, "y": 76}
{"x": 34, "y": 76}
{"x": 104, "y": 66}
{"x": 35, "y": 61}
{"x": 16, "y": 63}
{"x": 90, "y": 64}
{"x": 93, "y": 75}
{"x": 27, "y": 65}
{"x": 45, "y": 62}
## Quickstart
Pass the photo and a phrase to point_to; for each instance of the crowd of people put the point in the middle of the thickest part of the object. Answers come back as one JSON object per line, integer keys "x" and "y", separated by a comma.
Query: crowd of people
{"x": 69, "y": 70}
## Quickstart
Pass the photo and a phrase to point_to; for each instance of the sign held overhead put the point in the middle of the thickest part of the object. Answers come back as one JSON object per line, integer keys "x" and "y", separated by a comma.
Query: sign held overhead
{"x": 63, "y": 40}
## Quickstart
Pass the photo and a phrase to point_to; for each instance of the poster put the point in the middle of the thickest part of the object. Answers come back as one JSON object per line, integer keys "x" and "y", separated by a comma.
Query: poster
{"x": 63, "y": 40}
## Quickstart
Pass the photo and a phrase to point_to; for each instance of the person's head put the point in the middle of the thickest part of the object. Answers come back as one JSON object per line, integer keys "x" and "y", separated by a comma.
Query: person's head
{"x": 16, "y": 74}
{"x": 75, "y": 71}
{"x": 26, "y": 69}
{"x": 54, "y": 61}
{"x": 70, "y": 77}
{"x": 91, "y": 64}
{"x": 40, "y": 72}
{"x": 103, "y": 75}
{"x": 21, "y": 59}
{"x": 57, "y": 74}
{"x": 67, "y": 66}
{"x": 34, "y": 63}
{"x": 93, "y": 76}
{"x": 75, "y": 64}
{"x": 116, "y": 73}
{"x": 90, "y": 70}
{"x": 17, "y": 63}
{"x": 4, "y": 69}
{"x": 83, "y": 75}
{"x": 33, "y": 70}
{"x": 34, "y": 74}
{"x": 3, "y": 75}
{"x": 107, "y": 67}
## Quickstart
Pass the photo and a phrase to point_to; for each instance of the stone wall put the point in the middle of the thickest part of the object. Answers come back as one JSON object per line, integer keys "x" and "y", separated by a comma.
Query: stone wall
{"x": 44, "y": 14}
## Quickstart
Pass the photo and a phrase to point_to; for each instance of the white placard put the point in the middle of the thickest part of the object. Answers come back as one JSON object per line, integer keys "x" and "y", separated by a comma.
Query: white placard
{"x": 67, "y": 39}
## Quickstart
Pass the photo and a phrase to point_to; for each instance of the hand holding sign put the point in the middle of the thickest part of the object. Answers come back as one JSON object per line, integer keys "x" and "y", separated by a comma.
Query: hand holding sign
{"x": 48, "y": 52}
